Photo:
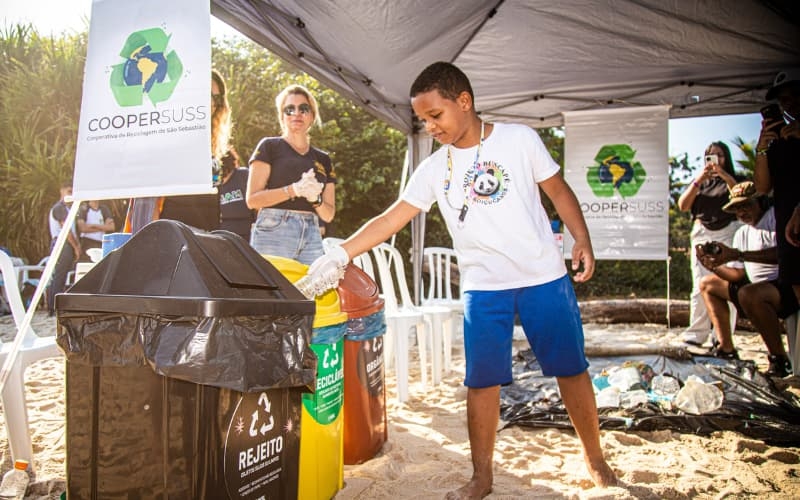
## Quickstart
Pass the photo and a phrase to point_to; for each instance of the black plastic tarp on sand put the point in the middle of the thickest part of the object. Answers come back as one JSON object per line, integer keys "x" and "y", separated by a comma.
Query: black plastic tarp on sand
{"x": 752, "y": 405}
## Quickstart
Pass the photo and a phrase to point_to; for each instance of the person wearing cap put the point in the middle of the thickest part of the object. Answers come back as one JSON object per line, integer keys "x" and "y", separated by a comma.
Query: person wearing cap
{"x": 778, "y": 170}
{"x": 752, "y": 258}
{"x": 746, "y": 274}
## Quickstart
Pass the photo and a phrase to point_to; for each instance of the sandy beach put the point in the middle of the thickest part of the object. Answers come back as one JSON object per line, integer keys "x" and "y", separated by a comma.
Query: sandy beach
{"x": 427, "y": 453}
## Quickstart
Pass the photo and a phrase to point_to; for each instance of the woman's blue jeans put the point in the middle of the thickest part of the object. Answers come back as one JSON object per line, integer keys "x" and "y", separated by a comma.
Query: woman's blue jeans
{"x": 287, "y": 233}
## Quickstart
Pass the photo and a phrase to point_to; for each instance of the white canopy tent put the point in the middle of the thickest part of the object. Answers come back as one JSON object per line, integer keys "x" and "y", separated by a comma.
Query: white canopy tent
{"x": 531, "y": 60}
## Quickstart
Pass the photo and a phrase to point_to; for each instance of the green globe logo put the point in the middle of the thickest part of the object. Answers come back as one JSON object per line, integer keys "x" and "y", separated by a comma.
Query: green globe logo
{"x": 615, "y": 169}
{"x": 148, "y": 70}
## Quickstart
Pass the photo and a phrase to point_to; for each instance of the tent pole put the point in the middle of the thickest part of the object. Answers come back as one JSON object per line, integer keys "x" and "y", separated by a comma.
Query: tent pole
{"x": 418, "y": 222}
{"x": 669, "y": 258}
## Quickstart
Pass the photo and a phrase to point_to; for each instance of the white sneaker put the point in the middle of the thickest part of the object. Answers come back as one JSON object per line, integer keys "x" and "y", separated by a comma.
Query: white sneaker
{"x": 695, "y": 337}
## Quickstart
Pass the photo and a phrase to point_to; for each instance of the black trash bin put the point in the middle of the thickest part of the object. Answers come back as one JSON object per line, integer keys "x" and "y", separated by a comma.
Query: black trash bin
{"x": 187, "y": 356}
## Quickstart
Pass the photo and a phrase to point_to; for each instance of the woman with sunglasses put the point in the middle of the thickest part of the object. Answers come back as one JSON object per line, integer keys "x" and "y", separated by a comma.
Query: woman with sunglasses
{"x": 291, "y": 183}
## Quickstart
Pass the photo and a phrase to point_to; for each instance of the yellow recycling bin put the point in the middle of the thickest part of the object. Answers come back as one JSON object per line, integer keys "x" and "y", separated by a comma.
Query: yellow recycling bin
{"x": 322, "y": 421}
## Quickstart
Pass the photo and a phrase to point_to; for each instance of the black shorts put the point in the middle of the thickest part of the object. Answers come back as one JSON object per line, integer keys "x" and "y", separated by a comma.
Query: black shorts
{"x": 789, "y": 303}
{"x": 788, "y": 300}
{"x": 733, "y": 293}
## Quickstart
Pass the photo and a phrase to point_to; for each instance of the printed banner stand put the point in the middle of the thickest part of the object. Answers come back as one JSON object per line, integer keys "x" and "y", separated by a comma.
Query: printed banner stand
{"x": 145, "y": 123}
{"x": 616, "y": 162}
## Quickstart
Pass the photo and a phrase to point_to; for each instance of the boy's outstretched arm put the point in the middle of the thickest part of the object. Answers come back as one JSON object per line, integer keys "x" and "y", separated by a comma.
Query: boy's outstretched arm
{"x": 325, "y": 272}
{"x": 566, "y": 204}
{"x": 380, "y": 228}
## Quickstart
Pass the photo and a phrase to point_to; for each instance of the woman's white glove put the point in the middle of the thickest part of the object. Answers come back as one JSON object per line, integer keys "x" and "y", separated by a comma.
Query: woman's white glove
{"x": 308, "y": 187}
{"x": 324, "y": 273}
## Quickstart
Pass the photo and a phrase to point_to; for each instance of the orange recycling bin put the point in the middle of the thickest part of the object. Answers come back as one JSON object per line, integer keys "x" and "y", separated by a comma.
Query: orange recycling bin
{"x": 365, "y": 426}
{"x": 321, "y": 427}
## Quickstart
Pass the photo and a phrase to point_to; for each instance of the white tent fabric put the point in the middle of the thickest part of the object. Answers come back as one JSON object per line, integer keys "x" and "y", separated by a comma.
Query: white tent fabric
{"x": 531, "y": 60}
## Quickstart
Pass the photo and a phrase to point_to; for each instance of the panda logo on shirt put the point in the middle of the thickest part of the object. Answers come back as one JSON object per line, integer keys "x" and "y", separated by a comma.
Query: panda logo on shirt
{"x": 485, "y": 183}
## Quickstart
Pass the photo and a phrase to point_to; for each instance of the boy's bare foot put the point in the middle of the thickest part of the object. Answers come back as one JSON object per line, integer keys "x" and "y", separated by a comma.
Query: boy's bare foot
{"x": 473, "y": 490}
{"x": 602, "y": 474}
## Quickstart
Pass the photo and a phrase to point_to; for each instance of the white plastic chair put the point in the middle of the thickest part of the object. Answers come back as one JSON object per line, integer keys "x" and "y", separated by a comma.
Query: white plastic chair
{"x": 792, "y": 324}
{"x": 438, "y": 318}
{"x": 440, "y": 291}
{"x": 32, "y": 349}
{"x": 401, "y": 317}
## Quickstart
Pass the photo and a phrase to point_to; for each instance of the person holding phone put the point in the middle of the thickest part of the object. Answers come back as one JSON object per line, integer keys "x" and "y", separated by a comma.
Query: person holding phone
{"x": 778, "y": 170}
{"x": 704, "y": 197}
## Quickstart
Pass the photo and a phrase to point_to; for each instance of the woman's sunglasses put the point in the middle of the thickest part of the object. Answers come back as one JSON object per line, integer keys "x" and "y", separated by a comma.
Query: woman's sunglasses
{"x": 219, "y": 99}
{"x": 291, "y": 109}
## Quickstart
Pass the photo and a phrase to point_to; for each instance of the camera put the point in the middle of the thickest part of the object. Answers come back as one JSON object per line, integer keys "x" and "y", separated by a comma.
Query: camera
{"x": 711, "y": 248}
{"x": 712, "y": 159}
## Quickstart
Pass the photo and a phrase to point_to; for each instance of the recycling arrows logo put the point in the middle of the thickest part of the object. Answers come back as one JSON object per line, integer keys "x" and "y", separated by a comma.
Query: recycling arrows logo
{"x": 149, "y": 69}
{"x": 615, "y": 169}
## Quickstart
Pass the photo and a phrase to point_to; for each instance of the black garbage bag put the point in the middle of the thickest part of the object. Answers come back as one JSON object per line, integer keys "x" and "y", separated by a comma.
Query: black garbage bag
{"x": 200, "y": 307}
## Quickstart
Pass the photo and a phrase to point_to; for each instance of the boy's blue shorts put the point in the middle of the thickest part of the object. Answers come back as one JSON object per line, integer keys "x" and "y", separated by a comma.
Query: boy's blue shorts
{"x": 549, "y": 316}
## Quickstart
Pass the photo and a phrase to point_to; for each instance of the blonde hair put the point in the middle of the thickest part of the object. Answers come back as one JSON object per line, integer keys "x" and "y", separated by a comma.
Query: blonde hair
{"x": 296, "y": 90}
{"x": 220, "y": 120}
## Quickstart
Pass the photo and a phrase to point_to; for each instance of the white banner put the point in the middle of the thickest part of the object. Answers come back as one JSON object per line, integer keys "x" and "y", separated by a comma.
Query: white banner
{"x": 616, "y": 162}
{"x": 145, "y": 118}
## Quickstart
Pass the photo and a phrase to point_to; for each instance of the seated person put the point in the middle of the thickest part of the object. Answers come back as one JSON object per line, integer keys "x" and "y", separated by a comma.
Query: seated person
{"x": 94, "y": 220}
{"x": 752, "y": 259}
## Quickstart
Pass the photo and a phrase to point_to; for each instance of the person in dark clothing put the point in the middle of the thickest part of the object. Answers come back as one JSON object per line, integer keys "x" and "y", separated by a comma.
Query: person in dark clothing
{"x": 291, "y": 183}
{"x": 235, "y": 216}
{"x": 69, "y": 253}
{"x": 704, "y": 198}
{"x": 778, "y": 170}
{"x": 200, "y": 211}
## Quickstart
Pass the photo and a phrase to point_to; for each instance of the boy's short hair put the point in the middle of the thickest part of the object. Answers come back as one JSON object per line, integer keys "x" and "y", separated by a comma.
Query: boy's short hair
{"x": 66, "y": 183}
{"x": 444, "y": 77}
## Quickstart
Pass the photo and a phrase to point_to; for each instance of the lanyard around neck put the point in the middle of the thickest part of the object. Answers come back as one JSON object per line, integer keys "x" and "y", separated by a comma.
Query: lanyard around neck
{"x": 462, "y": 215}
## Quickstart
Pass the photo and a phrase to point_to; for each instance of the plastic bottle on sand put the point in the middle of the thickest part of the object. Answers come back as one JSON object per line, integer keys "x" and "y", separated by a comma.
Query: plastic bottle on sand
{"x": 697, "y": 398}
{"x": 15, "y": 482}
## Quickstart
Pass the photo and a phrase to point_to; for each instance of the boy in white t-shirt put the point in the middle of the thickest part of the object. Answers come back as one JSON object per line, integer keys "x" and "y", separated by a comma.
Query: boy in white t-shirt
{"x": 486, "y": 180}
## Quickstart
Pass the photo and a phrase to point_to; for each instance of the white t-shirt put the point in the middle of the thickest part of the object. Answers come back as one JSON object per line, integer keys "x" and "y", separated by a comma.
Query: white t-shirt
{"x": 506, "y": 240}
{"x": 758, "y": 237}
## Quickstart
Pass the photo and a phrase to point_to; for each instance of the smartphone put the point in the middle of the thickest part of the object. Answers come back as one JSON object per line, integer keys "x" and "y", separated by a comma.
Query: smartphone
{"x": 772, "y": 112}
{"x": 712, "y": 159}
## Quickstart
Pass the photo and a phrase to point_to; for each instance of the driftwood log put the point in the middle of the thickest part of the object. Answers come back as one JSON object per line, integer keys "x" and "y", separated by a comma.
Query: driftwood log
{"x": 642, "y": 311}
{"x": 635, "y": 311}
{"x": 612, "y": 311}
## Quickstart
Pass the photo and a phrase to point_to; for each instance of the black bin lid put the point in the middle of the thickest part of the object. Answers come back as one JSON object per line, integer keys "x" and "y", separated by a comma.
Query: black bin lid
{"x": 167, "y": 268}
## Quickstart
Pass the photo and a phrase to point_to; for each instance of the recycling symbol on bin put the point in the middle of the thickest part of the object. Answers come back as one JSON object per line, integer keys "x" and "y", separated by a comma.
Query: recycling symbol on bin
{"x": 264, "y": 427}
{"x": 374, "y": 346}
{"x": 328, "y": 361}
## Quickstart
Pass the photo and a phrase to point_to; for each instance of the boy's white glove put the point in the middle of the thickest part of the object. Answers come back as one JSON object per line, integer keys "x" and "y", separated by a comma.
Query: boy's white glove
{"x": 324, "y": 273}
{"x": 308, "y": 187}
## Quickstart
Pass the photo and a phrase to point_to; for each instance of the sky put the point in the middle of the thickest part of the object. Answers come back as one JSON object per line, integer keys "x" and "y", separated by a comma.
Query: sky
{"x": 686, "y": 135}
